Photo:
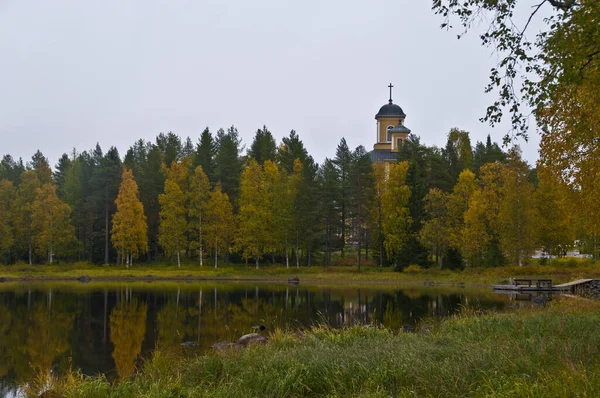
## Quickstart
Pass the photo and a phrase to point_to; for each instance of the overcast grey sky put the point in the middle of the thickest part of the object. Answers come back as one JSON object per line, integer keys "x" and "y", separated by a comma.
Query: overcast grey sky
{"x": 73, "y": 73}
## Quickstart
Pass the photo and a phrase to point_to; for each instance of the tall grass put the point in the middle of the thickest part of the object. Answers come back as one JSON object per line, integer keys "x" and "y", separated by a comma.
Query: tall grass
{"x": 531, "y": 352}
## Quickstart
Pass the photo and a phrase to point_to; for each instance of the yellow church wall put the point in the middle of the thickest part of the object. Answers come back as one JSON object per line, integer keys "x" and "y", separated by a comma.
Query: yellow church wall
{"x": 383, "y": 146}
{"x": 384, "y": 122}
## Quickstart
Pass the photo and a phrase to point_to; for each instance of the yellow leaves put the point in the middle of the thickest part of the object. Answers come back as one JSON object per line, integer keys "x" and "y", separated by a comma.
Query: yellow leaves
{"x": 396, "y": 217}
{"x": 129, "y": 231}
{"x": 7, "y": 196}
{"x": 51, "y": 226}
{"x": 219, "y": 224}
{"x": 255, "y": 214}
{"x": 173, "y": 223}
{"x": 127, "y": 329}
{"x": 173, "y": 226}
{"x": 517, "y": 218}
{"x": 436, "y": 233}
{"x": 554, "y": 220}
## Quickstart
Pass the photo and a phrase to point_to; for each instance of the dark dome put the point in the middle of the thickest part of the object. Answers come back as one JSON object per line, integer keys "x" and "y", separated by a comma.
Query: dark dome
{"x": 390, "y": 110}
{"x": 400, "y": 129}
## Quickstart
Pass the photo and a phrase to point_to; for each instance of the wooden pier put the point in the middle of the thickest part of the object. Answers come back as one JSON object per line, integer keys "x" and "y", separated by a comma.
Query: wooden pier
{"x": 546, "y": 286}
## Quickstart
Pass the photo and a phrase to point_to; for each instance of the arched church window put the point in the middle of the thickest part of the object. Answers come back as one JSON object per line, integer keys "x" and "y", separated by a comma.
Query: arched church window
{"x": 389, "y": 134}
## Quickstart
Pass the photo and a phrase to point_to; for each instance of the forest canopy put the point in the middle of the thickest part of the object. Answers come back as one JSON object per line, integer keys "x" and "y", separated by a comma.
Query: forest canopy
{"x": 174, "y": 200}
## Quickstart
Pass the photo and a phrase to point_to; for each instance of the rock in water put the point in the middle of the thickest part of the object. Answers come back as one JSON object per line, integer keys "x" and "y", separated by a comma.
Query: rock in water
{"x": 84, "y": 279}
{"x": 251, "y": 338}
{"x": 262, "y": 328}
{"x": 294, "y": 280}
{"x": 189, "y": 344}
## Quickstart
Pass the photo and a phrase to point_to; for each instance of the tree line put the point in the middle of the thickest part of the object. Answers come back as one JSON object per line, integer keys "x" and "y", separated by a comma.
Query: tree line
{"x": 214, "y": 201}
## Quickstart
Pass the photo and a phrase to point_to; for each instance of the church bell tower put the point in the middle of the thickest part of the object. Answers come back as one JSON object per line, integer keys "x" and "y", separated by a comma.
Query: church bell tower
{"x": 391, "y": 132}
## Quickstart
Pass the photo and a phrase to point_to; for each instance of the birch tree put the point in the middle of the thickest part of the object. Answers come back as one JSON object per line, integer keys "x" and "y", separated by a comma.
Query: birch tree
{"x": 219, "y": 222}
{"x": 129, "y": 233}
{"x": 52, "y": 229}
{"x": 198, "y": 197}
{"x": 253, "y": 218}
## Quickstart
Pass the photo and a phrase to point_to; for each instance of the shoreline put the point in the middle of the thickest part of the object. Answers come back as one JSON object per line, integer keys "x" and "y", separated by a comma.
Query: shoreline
{"x": 316, "y": 275}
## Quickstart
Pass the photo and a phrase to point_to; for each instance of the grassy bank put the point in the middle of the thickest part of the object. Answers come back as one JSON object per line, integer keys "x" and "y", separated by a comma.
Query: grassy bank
{"x": 551, "y": 351}
{"x": 560, "y": 271}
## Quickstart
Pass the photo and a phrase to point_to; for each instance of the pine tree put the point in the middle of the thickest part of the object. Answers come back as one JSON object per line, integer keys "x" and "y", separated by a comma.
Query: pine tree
{"x": 219, "y": 222}
{"x": 329, "y": 187}
{"x": 198, "y": 196}
{"x": 11, "y": 169}
{"x": 228, "y": 165}
{"x": 205, "y": 154}
{"x": 170, "y": 147}
{"x": 293, "y": 157}
{"x": 51, "y": 226}
{"x": 60, "y": 173}
{"x": 361, "y": 186}
{"x": 343, "y": 162}
{"x": 106, "y": 182}
{"x": 458, "y": 152}
{"x": 40, "y": 165}
{"x": 129, "y": 231}
{"x": 263, "y": 147}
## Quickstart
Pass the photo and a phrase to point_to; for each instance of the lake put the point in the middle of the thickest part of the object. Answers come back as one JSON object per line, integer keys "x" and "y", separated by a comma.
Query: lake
{"x": 111, "y": 328}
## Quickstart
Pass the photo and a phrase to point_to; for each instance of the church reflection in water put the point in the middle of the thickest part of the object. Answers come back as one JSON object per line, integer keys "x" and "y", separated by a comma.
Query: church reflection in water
{"x": 109, "y": 330}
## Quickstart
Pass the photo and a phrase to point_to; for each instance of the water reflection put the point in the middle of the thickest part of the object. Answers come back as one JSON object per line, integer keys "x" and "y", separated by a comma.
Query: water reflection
{"x": 108, "y": 329}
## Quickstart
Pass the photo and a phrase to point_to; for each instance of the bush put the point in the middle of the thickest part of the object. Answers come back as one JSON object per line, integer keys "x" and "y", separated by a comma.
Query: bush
{"x": 413, "y": 269}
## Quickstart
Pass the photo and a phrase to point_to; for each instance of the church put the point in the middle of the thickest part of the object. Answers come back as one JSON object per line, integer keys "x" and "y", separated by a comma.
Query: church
{"x": 391, "y": 132}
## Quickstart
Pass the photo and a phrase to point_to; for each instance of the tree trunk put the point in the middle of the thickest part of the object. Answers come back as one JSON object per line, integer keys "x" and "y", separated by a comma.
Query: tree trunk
{"x": 327, "y": 245}
{"x": 359, "y": 249}
{"x": 287, "y": 257}
{"x": 256, "y": 262}
{"x": 200, "y": 236}
{"x": 105, "y": 226}
{"x": 595, "y": 256}
{"x": 216, "y": 253}
{"x": 30, "y": 250}
{"x": 178, "y": 258}
{"x": 297, "y": 255}
{"x": 343, "y": 228}
{"x": 366, "y": 245}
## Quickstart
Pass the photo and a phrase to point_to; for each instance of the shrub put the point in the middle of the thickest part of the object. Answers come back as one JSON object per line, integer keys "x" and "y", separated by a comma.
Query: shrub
{"x": 413, "y": 269}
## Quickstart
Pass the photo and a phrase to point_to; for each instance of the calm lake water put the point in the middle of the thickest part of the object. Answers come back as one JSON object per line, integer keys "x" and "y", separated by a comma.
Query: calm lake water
{"x": 110, "y": 328}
